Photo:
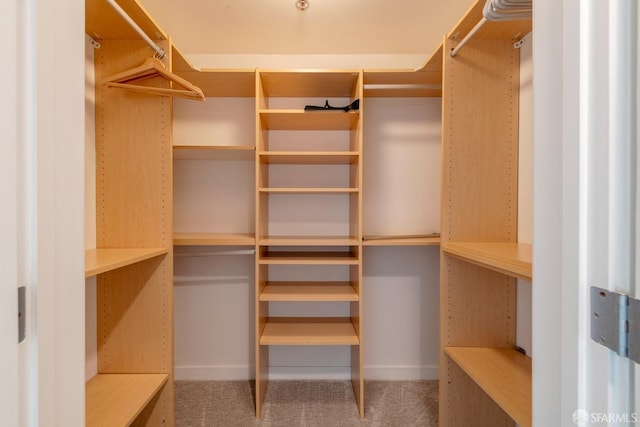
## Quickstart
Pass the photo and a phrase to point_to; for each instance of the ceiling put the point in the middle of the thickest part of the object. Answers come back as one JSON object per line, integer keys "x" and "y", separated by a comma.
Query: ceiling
{"x": 381, "y": 27}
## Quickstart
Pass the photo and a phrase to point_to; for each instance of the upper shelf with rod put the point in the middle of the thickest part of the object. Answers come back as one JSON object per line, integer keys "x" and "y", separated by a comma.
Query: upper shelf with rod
{"x": 108, "y": 19}
{"x": 493, "y": 20}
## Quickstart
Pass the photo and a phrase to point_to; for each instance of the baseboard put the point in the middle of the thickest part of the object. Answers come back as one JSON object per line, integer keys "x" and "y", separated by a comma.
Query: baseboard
{"x": 213, "y": 373}
{"x": 243, "y": 372}
{"x": 401, "y": 372}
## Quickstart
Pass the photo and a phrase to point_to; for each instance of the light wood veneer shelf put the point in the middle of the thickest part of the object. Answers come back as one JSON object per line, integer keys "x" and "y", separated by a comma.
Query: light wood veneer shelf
{"x": 213, "y": 239}
{"x": 309, "y": 83}
{"x": 308, "y": 241}
{"x": 312, "y": 120}
{"x": 323, "y": 190}
{"x": 117, "y": 399}
{"x": 308, "y": 291}
{"x": 309, "y": 157}
{"x": 504, "y": 374}
{"x": 102, "y": 260}
{"x": 309, "y": 331}
{"x": 513, "y": 259}
{"x": 308, "y": 258}
{"x": 401, "y": 240}
{"x": 213, "y": 152}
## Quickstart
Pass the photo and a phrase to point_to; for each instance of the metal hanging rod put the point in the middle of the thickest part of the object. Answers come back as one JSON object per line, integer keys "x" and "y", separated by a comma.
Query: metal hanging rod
{"x": 497, "y": 10}
{"x": 159, "y": 52}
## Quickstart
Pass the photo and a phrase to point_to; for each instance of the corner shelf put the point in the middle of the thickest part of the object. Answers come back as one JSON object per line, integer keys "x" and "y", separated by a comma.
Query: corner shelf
{"x": 213, "y": 239}
{"x": 512, "y": 259}
{"x": 117, "y": 399}
{"x": 102, "y": 260}
{"x": 503, "y": 373}
{"x": 308, "y": 291}
{"x": 309, "y": 331}
{"x": 213, "y": 152}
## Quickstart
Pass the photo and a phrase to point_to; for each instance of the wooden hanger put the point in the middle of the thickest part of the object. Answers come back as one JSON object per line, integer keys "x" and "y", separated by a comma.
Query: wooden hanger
{"x": 153, "y": 67}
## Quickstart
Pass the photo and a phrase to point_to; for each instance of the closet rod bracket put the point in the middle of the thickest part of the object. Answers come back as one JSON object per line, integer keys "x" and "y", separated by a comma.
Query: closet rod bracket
{"x": 94, "y": 43}
{"x": 519, "y": 44}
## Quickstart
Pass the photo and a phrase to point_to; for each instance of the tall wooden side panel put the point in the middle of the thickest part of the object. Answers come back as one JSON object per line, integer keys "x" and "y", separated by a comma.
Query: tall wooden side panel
{"x": 479, "y": 203}
{"x": 134, "y": 202}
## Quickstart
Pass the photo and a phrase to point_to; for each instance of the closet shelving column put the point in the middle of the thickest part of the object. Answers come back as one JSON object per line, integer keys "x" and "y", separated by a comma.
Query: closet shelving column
{"x": 276, "y": 92}
{"x": 133, "y": 260}
{"x": 484, "y": 380}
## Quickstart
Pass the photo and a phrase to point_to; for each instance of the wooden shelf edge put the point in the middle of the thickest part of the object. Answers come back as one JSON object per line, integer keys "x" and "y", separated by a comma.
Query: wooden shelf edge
{"x": 510, "y": 258}
{"x": 214, "y": 239}
{"x": 399, "y": 240}
{"x": 99, "y": 261}
{"x": 325, "y": 331}
{"x": 503, "y": 373}
{"x": 308, "y": 241}
{"x": 213, "y": 152}
{"x": 308, "y": 258}
{"x": 117, "y": 399}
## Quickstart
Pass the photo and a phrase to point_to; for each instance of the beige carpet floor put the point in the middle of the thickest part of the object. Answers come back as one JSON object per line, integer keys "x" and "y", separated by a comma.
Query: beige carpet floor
{"x": 306, "y": 404}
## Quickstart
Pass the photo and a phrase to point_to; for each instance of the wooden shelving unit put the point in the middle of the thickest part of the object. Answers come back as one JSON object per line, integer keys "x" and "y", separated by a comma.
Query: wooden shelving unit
{"x": 503, "y": 373}
{"x": 483, "y": 379}
{"x": 118, "y": 399}
{"x": 102, "y": 260}
{"x": 283, "y": 251}
{"x": 133, "y": 261}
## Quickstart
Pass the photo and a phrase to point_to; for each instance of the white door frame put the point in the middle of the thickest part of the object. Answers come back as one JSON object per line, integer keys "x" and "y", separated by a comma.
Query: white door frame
{"x": 582, "y": 182}
{"x": 58, "y": 277}
{"x": 41, "y": 186}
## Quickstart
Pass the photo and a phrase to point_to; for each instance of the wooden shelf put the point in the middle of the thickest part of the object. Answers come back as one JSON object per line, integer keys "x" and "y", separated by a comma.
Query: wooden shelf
{"x": 309, "y": 157}
{"x": 213, "y": 239}
{"x": 102, "y": 260}
{"x": 309, "y": 83}
{"x": 324, "y": 190}
{"x": 308, "y": 120}
{"x": 504, "y": 374}
{"x": 413, "y": 240}
{"x": 117, "y": 399}
{"x": 237, "y": 82}
{"x": 308, "y": 241}
{"x": 308, "y": 291}
{"x": 309, "y": 331}
{"x": 308, "y": 258}
{"x": 513, "y": 259}
{"x": 213, "y": 152}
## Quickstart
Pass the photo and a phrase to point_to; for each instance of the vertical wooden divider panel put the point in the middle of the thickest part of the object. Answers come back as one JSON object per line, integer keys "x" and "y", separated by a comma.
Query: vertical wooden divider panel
{"x": 134, "y": 202}
{"x": 261, "y": 271}
{"x": 479, "y": 203}
{"x": 355, "y": 229}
